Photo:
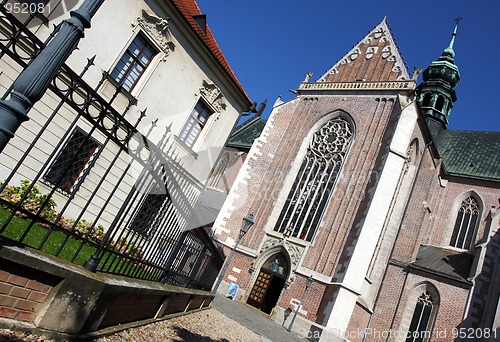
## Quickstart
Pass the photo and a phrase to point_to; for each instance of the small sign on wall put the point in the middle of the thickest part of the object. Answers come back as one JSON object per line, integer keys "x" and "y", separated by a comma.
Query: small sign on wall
{"x": 232, "y": 290}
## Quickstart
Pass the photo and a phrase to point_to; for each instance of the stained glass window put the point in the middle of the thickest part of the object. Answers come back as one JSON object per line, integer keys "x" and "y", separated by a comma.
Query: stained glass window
{"x": 420, "y": 323}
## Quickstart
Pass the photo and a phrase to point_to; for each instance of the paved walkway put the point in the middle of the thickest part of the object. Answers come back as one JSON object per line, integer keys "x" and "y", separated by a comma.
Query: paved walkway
{"x": 254, "y": 320}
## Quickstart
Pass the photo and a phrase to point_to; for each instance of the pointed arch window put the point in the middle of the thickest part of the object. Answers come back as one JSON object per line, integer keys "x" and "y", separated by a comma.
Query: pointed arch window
{"x": 219, "y": 170}
{"x": 465, "y": 224}
{"x": 421, "y": 322}
{"x": 315, "y": 181}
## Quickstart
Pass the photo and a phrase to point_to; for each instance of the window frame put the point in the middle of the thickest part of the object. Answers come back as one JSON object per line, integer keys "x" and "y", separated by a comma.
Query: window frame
{"x": 147, "y": 67}
{"x": 186, "y": 131}
{"x": 471, "y": 229}
{"x": 219, "y": 170}
{"x": 83, "y": 170}
{"x": 424, "y": 307}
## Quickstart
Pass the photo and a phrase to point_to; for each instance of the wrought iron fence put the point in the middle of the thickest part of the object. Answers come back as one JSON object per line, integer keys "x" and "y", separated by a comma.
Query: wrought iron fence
{"x": 80, "y": 182}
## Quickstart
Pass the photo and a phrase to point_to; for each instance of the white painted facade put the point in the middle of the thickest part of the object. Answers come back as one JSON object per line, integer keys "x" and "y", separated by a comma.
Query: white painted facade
{"x": 183, "y": 71}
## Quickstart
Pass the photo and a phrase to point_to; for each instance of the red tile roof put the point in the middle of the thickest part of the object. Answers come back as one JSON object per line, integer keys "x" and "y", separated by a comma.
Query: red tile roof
{"x": 189, "y": 8}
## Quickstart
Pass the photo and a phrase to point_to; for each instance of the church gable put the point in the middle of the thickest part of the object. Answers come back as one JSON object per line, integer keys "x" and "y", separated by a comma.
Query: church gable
{"x": 375, "y": 58}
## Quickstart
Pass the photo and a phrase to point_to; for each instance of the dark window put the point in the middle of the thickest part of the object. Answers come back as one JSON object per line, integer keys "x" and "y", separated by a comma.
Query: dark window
{"x": 427, "y": 100}
{"x": 315, "y": 181}
{"x": 70, "y": 164}
{"x": 195, "y": 123}
{"x": 145, "y": 222}
{"x": 440, "y": 103}
{"x": 465, "y": 224}
{"x": 133, "y": 63}
{"x": 420, "y": 322}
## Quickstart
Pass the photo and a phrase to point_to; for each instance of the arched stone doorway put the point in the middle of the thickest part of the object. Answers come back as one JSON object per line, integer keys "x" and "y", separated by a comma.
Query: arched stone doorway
{"x": 269, "y": 283}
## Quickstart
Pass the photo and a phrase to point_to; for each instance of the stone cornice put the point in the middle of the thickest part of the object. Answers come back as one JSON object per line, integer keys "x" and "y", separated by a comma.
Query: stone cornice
{"x": 340, "y": 86}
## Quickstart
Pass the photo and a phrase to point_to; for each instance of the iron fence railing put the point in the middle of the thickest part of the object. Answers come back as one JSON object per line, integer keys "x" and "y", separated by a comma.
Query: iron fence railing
{"x": 80, "y": 182}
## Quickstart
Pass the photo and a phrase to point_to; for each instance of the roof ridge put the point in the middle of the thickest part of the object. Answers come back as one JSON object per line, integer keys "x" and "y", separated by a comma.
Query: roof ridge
{"x": 189, "y": 8}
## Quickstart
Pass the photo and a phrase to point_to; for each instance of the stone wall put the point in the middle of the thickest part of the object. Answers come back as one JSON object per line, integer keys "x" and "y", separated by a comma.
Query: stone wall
{"x": 44, "y": 294}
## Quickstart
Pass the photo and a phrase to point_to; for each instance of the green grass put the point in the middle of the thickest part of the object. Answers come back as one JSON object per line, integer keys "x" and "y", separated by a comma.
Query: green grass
{"x": 18, "y": 226}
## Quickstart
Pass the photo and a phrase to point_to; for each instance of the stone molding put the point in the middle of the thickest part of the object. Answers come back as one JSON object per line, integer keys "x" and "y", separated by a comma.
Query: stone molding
{"x": 213, "y": 96}
{"x": 158, "y": 30}
{"x": 391, "y": 85}
{"x": 273, "y": 245}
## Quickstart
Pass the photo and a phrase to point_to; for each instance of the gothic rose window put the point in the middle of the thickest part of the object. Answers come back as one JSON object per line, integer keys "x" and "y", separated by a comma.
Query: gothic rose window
{"x": 315, "y": 181}
{"x": 465, "y": 224}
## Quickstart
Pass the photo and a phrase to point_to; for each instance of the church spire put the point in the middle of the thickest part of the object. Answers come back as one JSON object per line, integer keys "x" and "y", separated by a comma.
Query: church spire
{"x": 436, "y": 94}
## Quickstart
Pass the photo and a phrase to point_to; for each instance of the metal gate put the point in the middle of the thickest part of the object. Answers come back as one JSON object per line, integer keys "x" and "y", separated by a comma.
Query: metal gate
{"x": 80, "y": 182}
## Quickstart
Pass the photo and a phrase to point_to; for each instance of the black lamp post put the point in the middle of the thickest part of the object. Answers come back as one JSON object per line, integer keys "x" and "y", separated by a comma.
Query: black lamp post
{"x": 245, "y": 227}
{"x": 287, "y": 313}
{"x": 309, "y": 281}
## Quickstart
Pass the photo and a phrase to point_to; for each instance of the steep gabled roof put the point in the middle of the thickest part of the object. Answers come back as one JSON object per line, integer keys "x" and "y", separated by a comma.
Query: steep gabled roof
{"x": 444, "y": 262}
{"x": 470, "y": 154}
{"x": 192, "y": 13}
{"x": 245, "y": 134}
{"x": 375, "y": 58}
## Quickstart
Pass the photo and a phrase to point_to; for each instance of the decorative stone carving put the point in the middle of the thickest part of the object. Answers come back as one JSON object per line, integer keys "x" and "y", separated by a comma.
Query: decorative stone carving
{"x": 355, "y": 54}
{"x": 213, "y": 96}
{"x": 274, "y": 245}
{"x": 157, "y": 29}
{"x": 371, "y": 51}
{"x": 386, "y": 51}
{"x": 308, "y": 76}
{"x": 379, "y": 33}
{"x": 367, "y": 40}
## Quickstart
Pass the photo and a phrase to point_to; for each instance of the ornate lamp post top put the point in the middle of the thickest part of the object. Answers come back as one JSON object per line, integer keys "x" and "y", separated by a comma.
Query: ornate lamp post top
{"x": 248, "y": 222}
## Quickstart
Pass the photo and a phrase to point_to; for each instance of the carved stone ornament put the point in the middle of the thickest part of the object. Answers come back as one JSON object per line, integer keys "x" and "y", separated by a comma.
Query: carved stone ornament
{"x": 371, "y": 51}
{"x": 213, "y": 96}
{"x": 157, "y": 29}
{"x": 274, "y": 245}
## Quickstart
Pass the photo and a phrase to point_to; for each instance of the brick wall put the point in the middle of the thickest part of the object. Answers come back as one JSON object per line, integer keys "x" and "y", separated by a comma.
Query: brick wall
{"x": 358, "y": 323}
{"x": 130, "y": 307}
{"x": 66, "y": 299}
{"x": 397, "y": 299}
{"x": 23, "y": 291}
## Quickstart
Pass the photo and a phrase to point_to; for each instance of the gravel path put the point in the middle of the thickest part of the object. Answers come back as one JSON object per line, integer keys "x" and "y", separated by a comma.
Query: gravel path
{"x": 203, "y": 326}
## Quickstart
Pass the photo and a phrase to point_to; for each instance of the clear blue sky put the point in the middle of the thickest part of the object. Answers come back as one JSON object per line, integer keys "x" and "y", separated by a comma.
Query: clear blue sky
{"x": 272, "y": 44}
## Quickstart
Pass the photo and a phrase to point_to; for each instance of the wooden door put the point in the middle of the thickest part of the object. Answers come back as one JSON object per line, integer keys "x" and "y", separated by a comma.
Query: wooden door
{"x": 259, "y": 289}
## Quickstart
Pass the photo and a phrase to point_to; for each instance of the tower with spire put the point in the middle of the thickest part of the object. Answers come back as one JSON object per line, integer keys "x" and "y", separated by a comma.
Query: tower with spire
{"x": 436, "y": 94}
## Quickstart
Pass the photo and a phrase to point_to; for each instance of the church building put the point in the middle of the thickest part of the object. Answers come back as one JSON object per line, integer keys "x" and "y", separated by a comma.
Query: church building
{"x": 372, "y": 219}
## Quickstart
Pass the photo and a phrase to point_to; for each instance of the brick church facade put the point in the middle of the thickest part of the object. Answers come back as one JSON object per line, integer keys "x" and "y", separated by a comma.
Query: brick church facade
{"x": 368, "y": 211}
